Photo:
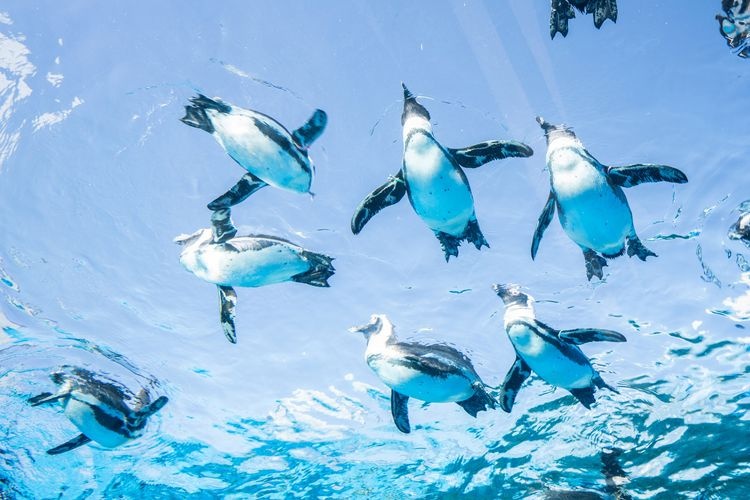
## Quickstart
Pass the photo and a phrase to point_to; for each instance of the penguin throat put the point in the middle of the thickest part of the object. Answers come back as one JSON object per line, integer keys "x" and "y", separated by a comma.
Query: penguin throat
{"x": 377, "y": 342}
{"x": 416, "y": 123}
{"x": 564, "y": 141}
{"x": 518, "y": 312}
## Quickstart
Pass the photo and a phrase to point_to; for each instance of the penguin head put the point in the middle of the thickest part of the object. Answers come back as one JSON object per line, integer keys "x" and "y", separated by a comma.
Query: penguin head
{"x": 553, "y": 132}
{"x": 512, "y": 295}
{"x": 377, "y": 324}
{"x": 412, "y": 108}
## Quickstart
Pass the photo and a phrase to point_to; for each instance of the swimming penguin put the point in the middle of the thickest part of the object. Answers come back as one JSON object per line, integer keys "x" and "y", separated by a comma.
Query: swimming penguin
{"x": 429, "y": 372}
{"x": 562, "y": 12}
{"x": 99, "y": 408}
{"x": 432, "y": 175}
{"x": 740, "y": 230}
{"x": 552, "y": 354}
{"x": 248, "y": 261}
{"x": 735, "y": 25}
{"x": 592, "y": 207}
{"x": 269, "y": 152}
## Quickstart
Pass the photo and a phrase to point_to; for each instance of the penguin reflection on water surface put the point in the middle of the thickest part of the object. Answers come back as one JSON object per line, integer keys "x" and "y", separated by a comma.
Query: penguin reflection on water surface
{"x": 99, "y": 408}
{"x": 592, "y": 208}
{"x": 552, "y": 354}
{"x": 429, "y": 372}
{"x": 248, "y": 261}
{"x": 433, "y": 178}
{"x": 562, "y": 11}
{"x": 265, "y": 148}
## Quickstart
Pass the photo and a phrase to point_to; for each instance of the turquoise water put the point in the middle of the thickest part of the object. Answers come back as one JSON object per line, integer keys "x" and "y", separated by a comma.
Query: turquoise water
{"x": 97, "y": 176}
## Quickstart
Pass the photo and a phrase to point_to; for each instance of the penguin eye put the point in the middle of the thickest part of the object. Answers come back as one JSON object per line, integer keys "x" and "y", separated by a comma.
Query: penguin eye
{"x": 728, "y": 27}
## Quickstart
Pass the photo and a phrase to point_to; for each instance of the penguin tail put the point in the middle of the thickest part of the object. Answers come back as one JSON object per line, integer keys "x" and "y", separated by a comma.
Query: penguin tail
{"x": 601, "y": 384}
{"x": 195, "y": 113}
{"x": 321, "y": 268}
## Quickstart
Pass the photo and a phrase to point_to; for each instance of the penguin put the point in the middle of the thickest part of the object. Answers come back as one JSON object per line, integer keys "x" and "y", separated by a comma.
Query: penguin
{"x": 740, "y": 230}
{"x": 269, "y": 152}
{"x": 562, "y": 11}
{"x": 99, "y": 408}
{"x": 433, "y": 373}
{"x": 735, "y": 25}
{"x": 433, "y": 177}
{"x": 552, "y": 354}
{"x": 247, "y": 261}
{"x": 592, "y": 207}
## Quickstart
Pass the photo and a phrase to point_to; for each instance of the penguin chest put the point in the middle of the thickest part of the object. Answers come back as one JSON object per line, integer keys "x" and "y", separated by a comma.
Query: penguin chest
{"x": 593, "y": 213}
{"x": 404, "y": 376}
{"x": 264, "y": 265}
{"x": 438, "y": 189}
{"x": 263, "y": 148}
{"x": 556, "y": 363}
{"x": 97, "y": 421}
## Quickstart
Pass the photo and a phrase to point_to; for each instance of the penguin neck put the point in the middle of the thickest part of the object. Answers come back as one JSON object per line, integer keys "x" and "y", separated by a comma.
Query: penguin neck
{"x": 377, "y": 342}
{"x": 416, "y": 123}
{"x": 561, "y": 142}
{"x": 519, "y": 312}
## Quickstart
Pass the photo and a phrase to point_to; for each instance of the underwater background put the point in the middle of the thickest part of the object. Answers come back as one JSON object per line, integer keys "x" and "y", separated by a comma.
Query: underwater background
{"x": 97, "y": 176}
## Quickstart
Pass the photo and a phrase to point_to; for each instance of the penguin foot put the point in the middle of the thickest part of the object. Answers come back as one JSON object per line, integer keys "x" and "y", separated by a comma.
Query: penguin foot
{"x": 635, "y": 247}
{"x": 594, "y": 264}
{"x": 449, "y": 243}
{"x": 561, "y": 12}
{"x": 474, "y": 235}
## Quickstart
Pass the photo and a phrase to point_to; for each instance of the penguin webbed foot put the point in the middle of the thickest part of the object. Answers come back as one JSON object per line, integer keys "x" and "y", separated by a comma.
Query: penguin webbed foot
{"x": 635, "y": 247}
{"x": 602, "y": 10}
{"x": 480, "y": 401}
{"x": 320, "y": 270}
{"x": 449, "y": 244}
{"x": 594, "y": 264}
{"x": 561, "y": 12}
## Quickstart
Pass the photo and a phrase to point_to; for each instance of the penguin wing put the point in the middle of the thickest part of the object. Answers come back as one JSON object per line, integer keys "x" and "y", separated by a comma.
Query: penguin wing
{"x": 386, "y": 195}
{"x": 153, "y": 407}
{"x": 544, "y": 219}
{"x": 484, "y": 152}
{"x": 227, "y": 305}
{"x": 46, "y": 397}
{"x": 74, "y": 443}
{"x": 632, "y": 175}
{"x": 311, "y": 130}
{"x": 562, "y": 11}
{"x": 516, "y": 376}
{"x": 584, "y": 335}
{"x": 246, "y": 186}
{"x": 400, "y": 411}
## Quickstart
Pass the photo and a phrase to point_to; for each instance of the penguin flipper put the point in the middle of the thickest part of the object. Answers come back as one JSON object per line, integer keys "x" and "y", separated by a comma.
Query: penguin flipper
{"x": 516, "y": 376}
{"x": 245, "y": 187}
{"x": 484, "y": 152}
{"x": 544, "y": 219}
{"x": 45, "y": 397}
{"x": 227, "y": 304}
{"x": 195, "y": 113}
{"x": 74, "y": 443}
{"x": 632, "y": 175}
{"x": 400, "y": 411}
{"x": 562, "y": 11}
{"x": 311, "y": 130}
{"x": 386, "y": 195}
{"x": 153, "y": 407}
{"x": 602, "y": 10}
{"x": 320, "y": 270}
{"x": 585, "y": 396}
{"x": 223, "y": 228}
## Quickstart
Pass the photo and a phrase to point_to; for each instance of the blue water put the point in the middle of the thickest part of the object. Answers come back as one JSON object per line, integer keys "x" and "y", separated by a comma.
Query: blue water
{"x": 97, "y": 175}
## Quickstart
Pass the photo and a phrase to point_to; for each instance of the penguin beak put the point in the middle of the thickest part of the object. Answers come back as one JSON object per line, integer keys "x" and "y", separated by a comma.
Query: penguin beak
{"x": 372, "y": 327}
{"x": 544, "y": 124}
{"x": 407, "y": 93}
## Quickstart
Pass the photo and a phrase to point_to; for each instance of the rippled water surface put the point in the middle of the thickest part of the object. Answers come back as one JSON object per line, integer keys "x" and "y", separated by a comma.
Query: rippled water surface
{"x": 97, "y": 175}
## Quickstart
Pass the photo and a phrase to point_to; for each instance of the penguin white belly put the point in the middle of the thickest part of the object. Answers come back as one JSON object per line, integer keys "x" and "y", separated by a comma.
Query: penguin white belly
{"x": 547, "y": 361}
{"x": 83, "y": 417}
{"x": 249, "y": 268}
{"x": 420, "y": 385}
{"x": 259, "y": 154}
{"x": 593, "y": 214}
{"x": 437, "y": 189}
